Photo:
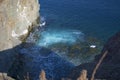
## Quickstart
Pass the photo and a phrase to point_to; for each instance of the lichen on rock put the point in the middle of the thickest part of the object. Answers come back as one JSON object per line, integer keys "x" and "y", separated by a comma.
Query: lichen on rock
{"x": 17, "y": 17}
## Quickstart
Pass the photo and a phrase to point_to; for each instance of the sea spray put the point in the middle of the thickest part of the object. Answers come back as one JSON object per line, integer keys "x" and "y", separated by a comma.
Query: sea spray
{"x": 66, "y": 36}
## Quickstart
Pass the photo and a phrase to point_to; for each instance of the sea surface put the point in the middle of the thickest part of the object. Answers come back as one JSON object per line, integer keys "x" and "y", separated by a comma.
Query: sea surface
{"x": 78, "y": 26}
{"x": 71, "y": 32}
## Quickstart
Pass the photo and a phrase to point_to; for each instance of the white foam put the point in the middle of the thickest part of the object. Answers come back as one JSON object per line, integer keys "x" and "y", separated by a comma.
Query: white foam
{"x": 49, "y": 38}
{"x": 42, "y": 18}
{"x": 92, "y": 46}
{"x": 43, "y": 24}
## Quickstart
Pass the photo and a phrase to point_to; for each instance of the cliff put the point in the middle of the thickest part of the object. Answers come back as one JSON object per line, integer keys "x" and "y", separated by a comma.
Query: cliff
{"x": 17, "y": 18}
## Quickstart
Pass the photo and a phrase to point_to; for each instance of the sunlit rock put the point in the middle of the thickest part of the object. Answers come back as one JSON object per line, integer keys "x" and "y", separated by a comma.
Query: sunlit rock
{"x": 17, "y": 17}
{"x": 3, "y": 76}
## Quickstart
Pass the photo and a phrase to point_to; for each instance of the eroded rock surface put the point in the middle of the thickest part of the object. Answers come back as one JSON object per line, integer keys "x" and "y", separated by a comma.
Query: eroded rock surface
{"x": 16, "y": 18}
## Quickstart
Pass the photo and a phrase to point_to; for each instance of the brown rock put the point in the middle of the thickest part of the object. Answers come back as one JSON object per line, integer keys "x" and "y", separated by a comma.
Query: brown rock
{"x": 83, "y": 75}
{"x": 42, "y": 75}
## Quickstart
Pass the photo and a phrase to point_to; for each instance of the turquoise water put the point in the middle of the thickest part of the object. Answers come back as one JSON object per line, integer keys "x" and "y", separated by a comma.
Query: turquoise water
{"x": 97, "y": 18}
{"x": 72, "y": 26}
{"x": 73, "y": 32}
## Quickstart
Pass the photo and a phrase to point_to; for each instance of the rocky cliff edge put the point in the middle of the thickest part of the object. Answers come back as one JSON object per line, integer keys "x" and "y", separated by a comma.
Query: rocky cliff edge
{"x": 17, "y": 17}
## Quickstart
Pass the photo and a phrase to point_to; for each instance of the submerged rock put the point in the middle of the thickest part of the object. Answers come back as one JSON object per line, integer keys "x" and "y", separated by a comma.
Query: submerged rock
{"x": 17, "y": 17}
{"x": 79, "y": 52}
{"x": 110, "y": 67}
{"x": 32, "y": 59}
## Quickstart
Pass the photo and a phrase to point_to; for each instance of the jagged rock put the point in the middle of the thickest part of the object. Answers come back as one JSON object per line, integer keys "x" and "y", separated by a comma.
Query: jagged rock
{"x": 17, "y": 17}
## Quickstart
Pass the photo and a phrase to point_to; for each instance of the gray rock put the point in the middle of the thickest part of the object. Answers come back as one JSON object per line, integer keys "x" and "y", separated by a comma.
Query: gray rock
{"x": 17, "y": 17}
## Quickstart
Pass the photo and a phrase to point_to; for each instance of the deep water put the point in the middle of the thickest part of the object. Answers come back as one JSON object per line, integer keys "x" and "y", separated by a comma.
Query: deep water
{"x": 75, "y": 25}
{"x": 73, "y": 33}
{"x": 96, "y": 18}
{"x": 74, "y": 30}
{"x": 28, "y": 59}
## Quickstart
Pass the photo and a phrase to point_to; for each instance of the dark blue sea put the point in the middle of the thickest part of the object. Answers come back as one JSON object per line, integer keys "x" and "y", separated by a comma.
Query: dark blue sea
{"x": 71, "y": 32}
{"x": 78, "y": 27}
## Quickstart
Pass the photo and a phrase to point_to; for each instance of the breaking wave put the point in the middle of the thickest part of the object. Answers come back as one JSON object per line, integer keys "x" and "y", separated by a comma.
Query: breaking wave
{"x": 67, "y": 36}
{"x": 42, "y": 21}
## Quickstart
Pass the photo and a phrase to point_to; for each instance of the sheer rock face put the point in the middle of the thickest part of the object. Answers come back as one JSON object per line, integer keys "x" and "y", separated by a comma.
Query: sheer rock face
{"x": 16, "y": 18}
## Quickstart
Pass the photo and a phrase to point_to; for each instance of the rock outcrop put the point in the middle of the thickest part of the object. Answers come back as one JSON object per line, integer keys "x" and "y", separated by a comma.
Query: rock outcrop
{"x": 110, "y": 67}
{"x": 3, "y": 76}
{"x": 17, "y": 17}
{"x": 42, "y": 75}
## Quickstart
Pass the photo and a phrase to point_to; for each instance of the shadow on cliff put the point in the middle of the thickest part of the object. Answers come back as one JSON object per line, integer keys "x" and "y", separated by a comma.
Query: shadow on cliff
{"x": 28, "y": 58}
{"x": 110, "y": 67}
